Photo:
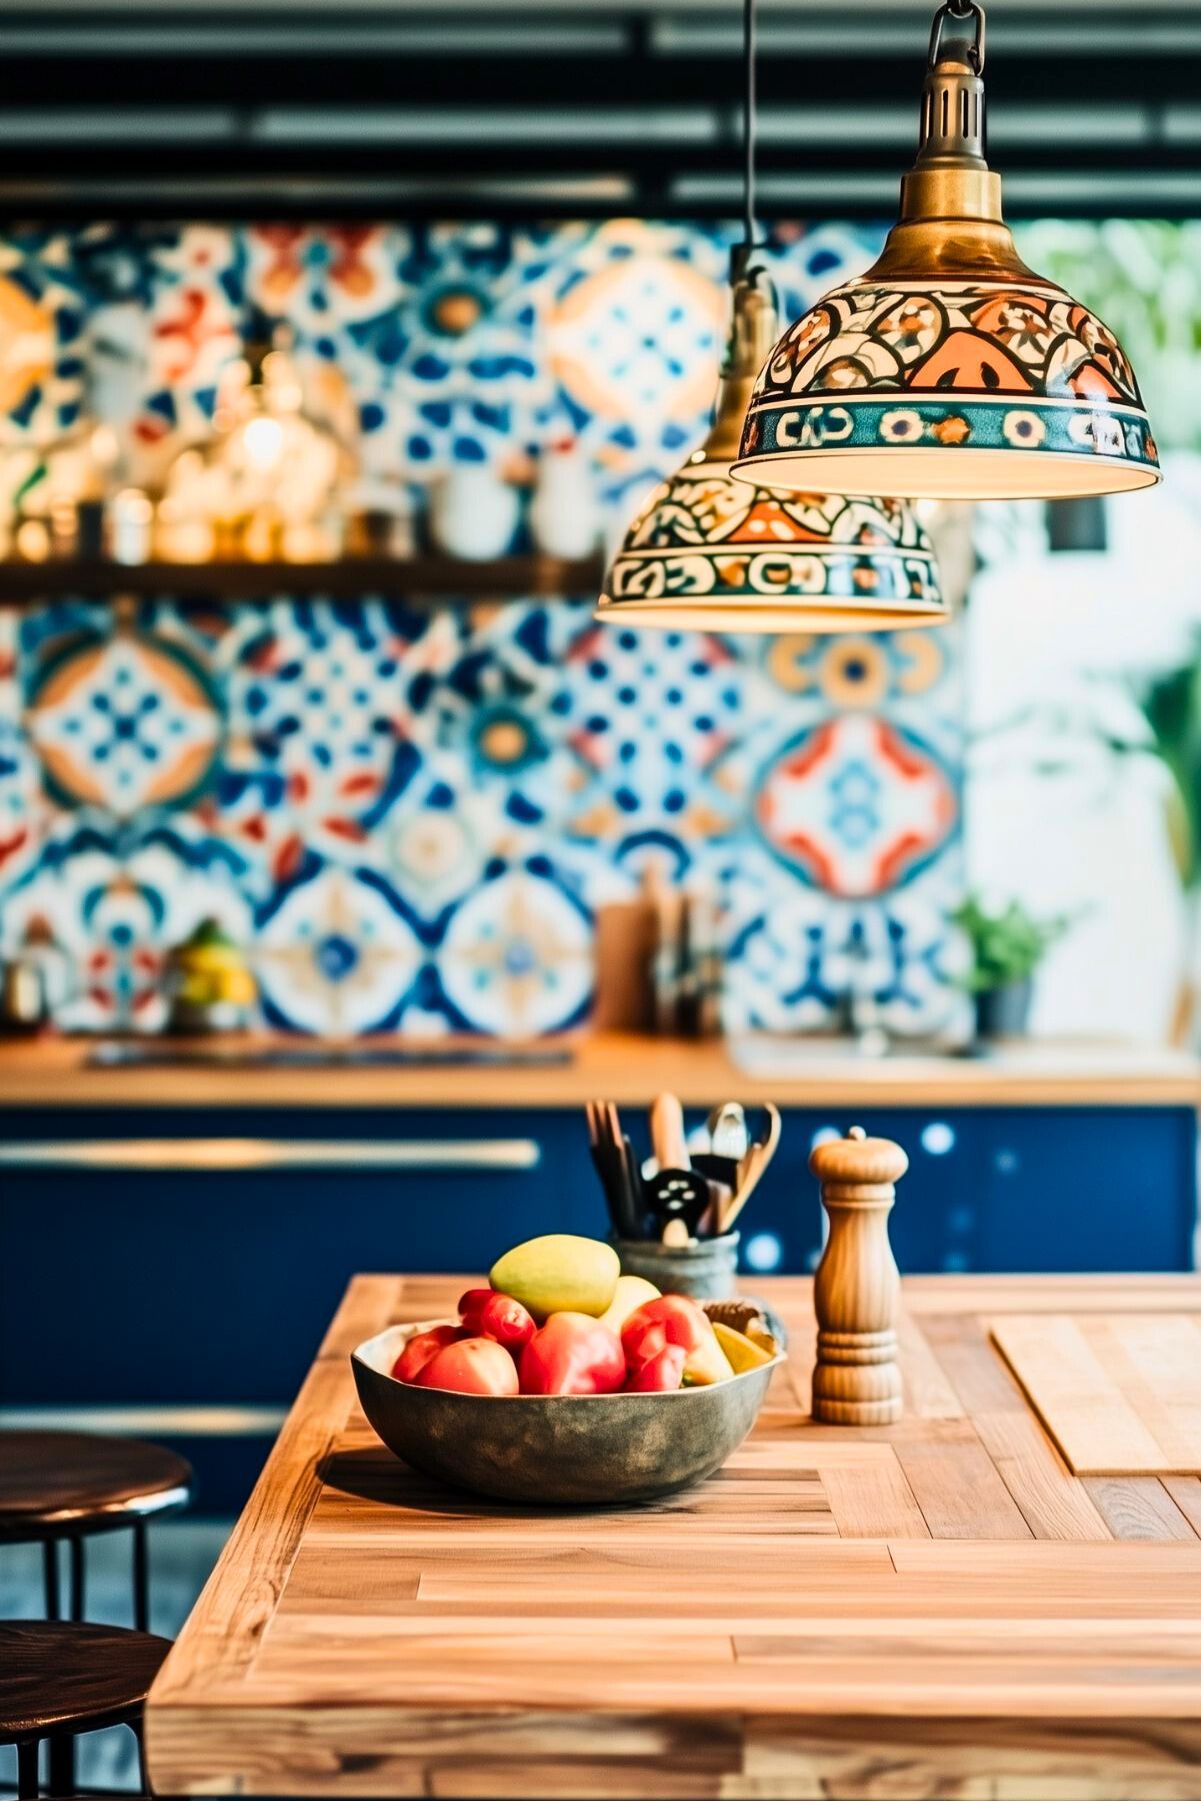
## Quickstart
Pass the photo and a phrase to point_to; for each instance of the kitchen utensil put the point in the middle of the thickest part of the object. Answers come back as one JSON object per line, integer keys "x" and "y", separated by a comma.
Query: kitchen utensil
{"x": 679, "y": 1194}
{"x": 676, "y": 1235}
{"x": 720, "y": 1196}
{"x": 676, "y": 1190}
{"x": 668, "y": 1138}
{"x": 555, "y": 1450}
{"x": 728, "y": 1135}
{"x": 615, "y": 1166}
{"x": 635, "y": 1212}
{"x": 602, "y": 1163}
{"x": 607, "y": 1168}
{"x": 753, "y": 1168}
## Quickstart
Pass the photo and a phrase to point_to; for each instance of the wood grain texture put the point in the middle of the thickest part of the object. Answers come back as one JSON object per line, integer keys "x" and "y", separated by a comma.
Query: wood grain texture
{"x": 59, "y": 1481}
{"x": 937, "y": 1605}
{"x": 1139, "y": 1507}
{"x": 622, "y": 1066}
{"x": 57, "y": 1674}
{"x": 1121, "y": 1395}
{"x": 1052, "y": 1503}
{"x": 857, "y": 1287}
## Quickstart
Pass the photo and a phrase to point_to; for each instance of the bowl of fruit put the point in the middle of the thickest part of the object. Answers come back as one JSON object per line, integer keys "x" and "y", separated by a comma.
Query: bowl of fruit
{"x": 564, "y": 1382}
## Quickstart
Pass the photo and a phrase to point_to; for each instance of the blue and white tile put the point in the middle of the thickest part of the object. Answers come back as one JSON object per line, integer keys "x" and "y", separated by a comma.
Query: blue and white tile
{"x": 337, "y": 953}
{"x": 124, "y": 720}
{"x": 327, "y": 705}
{"x": 516, "y": 958}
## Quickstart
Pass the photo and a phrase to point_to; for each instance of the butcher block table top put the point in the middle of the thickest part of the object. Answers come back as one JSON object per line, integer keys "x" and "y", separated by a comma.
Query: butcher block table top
{"x": 936, "y": 1606}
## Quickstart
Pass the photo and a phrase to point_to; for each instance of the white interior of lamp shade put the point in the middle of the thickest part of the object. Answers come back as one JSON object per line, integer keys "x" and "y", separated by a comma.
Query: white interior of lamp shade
{"x": 826, "y": 616}
{"x": 947, "y": 473}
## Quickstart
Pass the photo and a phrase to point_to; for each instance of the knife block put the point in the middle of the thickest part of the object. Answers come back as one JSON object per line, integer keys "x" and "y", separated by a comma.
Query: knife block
{"x": 857, "y": 1289}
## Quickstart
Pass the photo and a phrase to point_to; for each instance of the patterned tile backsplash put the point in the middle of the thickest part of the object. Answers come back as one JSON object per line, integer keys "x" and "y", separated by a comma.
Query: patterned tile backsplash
{"x": 410, "y": 816}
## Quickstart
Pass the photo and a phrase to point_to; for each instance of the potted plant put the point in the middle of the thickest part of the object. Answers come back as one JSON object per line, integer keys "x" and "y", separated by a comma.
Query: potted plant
{"x": 1006, "y": 949}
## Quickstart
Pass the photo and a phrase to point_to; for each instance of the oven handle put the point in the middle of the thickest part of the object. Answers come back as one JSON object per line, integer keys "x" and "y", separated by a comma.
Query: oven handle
{"x": 170, "y": 1155}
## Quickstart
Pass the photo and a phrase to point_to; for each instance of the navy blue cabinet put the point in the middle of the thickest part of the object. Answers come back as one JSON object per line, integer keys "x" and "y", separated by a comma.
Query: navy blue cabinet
{"x": 133, "y": 1286}
{"x": 1006, "y": 1190}
{"x": 190, "y": 1285}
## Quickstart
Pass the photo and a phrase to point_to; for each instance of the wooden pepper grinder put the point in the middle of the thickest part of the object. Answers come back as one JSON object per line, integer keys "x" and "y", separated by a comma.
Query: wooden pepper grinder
{"x": 856, "y": 1381}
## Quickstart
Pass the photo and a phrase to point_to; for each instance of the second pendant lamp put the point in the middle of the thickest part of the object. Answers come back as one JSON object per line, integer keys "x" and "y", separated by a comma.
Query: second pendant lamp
{"x": 711, "y": 552}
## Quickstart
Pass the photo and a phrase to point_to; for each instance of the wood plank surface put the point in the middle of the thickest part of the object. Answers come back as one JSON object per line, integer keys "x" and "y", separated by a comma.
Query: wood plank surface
{"x": 1052, "y": 1503}
{"x": 935, "y": 1606}
{"x": 1121, "y": 1395}
{"x": 1138, "y": 1507}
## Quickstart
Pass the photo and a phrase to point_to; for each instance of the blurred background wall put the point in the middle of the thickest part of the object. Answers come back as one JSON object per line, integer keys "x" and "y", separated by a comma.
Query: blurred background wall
{"x": 413, "y": 814}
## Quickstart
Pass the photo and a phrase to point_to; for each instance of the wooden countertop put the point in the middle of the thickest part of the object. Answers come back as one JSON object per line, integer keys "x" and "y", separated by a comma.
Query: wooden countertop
{"x": 936, "y": 1606}
{"x": 617, "y": 1066}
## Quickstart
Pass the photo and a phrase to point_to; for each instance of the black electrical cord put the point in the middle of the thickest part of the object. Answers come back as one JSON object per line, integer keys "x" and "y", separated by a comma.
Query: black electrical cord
{"x": 749, "y": 228}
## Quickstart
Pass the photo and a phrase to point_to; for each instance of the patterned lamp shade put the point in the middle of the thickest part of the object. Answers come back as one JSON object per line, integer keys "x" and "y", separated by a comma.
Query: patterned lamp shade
{"x": 713, "y": 553}
{"x": 949, "y": 370}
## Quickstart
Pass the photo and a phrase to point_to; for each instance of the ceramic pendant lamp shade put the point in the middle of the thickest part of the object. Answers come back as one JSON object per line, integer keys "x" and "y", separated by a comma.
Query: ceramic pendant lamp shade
{"x": 712, "y": 553}
{"x": 949, "y": 370}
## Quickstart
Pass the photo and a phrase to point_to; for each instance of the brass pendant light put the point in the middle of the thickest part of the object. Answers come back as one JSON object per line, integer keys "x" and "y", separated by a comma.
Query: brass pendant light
{"x": 950, "y": 370}
{"x": 710, "y": 552}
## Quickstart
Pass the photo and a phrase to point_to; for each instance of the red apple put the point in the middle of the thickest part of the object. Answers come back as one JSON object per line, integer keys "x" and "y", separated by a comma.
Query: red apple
{"x": 418, "y": 1351}
{"x": 472, "y": 1366}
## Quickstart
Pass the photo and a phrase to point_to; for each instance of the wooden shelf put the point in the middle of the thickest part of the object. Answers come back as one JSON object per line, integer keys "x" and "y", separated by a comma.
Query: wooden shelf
{"x": 419, "y": 578}
{"x": 630, "y": 1070}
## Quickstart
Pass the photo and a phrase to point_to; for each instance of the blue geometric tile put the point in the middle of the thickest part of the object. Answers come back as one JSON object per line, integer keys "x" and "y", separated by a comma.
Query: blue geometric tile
{"x": 516, "y": 958}
{"x": 337, "y": 954}
{"x": 652, "y": 716}
{"x": 124, "y": 720}
{"x": 326, "y": 703}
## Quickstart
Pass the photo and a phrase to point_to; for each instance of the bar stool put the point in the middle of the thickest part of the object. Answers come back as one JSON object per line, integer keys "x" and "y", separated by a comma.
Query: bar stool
{"x": 70, "y": 1485}
{"x": 59, "y": 1678}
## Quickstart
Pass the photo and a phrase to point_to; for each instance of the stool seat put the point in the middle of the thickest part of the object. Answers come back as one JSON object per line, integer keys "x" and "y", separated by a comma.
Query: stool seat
{"x": 63, "y": 1676}
{"x": 60, "y": 1482}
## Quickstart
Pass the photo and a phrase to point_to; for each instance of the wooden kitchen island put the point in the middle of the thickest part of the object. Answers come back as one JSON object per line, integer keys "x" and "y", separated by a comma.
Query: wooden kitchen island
{"x": 934, "y": 1607}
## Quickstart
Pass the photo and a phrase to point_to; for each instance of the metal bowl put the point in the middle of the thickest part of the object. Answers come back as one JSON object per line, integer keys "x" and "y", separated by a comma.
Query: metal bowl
{"x": 586, "y": 1450}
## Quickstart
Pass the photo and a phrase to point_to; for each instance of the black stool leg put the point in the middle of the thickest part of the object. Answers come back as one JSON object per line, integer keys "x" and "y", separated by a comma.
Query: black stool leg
{"x": 27, "y": 1769}
{"x": 78, "y": 1578}
{"x": 50, "y": 1572}
{"x": 135, "y": 1726}
{"x": 141, "y": 1595}
{"x": 62, "y": 1764}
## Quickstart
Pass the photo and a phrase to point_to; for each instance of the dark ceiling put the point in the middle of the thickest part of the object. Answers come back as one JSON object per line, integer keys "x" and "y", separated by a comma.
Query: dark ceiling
{"x": 516, "y": 109}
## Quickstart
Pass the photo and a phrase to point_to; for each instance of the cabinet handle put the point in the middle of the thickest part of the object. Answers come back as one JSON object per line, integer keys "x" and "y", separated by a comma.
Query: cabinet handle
{"x": 477, "y": 1155}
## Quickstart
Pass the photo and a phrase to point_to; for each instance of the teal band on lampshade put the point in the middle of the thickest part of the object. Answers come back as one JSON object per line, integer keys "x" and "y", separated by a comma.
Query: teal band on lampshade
{"x": 960, "y": 391}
